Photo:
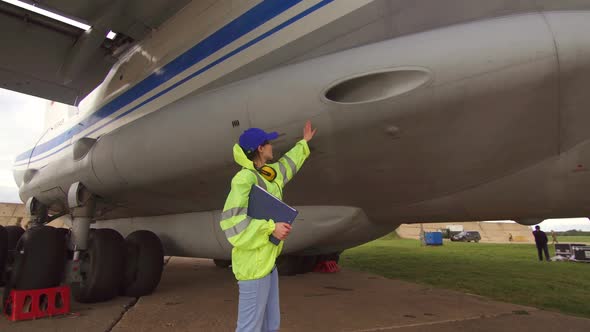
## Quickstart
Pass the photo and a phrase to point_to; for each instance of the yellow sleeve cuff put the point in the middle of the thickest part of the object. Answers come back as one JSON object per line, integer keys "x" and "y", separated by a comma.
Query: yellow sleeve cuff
{"x": 271, "y": 227}
{"x": 305, "y": 147}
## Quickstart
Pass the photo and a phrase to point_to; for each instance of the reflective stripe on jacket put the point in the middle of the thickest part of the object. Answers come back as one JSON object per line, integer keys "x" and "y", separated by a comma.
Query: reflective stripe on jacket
{"x": 253, "y": 255}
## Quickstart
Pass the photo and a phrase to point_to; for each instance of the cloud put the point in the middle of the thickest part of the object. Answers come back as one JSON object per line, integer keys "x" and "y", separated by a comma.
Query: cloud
{"x": 6, "y": 178}
{"x": 559, "y": 225}
{"x": 6, "y": 161}
{"x": 21, "y": 126}
{"x": 565, "y": 224}
{"x": 9, "y": 195}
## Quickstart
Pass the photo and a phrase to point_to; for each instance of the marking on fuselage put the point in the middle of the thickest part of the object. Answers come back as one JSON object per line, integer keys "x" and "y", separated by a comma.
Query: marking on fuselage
{"x": 253, "y": 18}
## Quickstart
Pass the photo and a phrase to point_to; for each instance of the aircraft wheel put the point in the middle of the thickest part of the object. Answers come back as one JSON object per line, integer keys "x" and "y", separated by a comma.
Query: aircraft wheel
{"x": 65, "y": 232}
{"x": 145, "y": 262}
{"x": 102, "y": 267}
{"x": 13, "y": 234}
{"x": 334, "y": 256}
{"x": 3, "y": 253}
{"x": 222, "y": 263}
{"x": 308, "y": 263}
{"x": 38, "y": 260}
{"x": 289, "y": 265}
{"x": 329, "y": 257}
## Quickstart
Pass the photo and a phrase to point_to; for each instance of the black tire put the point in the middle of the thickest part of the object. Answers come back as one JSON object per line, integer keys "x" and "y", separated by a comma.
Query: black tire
{"x": 3, "y": 254}
{"x": 102, "y": 267}
{"x": 39, "y": 260}
{"x": 65, "y": 232}
{"x": 329, "y": 257}
{"x": 289, "y": 265}
{"x": 222, "y": 263}
{"x": 334, "y": 257}
{"x": 13, "y": 235}
{"x": 308, "y": 263}
{"x": 145, "y": 262}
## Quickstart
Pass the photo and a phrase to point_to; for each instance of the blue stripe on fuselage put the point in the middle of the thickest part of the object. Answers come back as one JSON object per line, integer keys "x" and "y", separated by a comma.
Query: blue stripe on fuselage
{"x": 234, "y": 30}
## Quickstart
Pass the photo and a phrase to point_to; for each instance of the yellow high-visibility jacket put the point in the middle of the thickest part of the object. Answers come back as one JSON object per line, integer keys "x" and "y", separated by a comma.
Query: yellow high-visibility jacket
{"x": 253, "y": 255}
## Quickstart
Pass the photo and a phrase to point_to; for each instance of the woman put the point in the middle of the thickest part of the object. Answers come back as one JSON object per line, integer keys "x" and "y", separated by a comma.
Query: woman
{"x": 253, "y": 255}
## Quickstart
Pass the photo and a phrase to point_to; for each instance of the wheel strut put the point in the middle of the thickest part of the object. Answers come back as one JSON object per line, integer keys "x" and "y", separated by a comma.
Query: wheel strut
{"x": 82, "y": 204}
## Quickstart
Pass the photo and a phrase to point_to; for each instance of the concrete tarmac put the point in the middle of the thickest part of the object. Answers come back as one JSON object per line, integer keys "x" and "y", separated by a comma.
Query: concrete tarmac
{"x": 194, "y": 295}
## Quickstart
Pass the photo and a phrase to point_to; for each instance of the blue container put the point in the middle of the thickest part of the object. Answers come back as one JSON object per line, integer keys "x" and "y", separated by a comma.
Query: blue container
{"x": 433, "y": 238}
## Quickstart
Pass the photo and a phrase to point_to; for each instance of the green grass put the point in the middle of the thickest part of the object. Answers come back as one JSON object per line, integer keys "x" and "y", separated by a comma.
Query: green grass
{"x": 505, "y": 272}
{"x": 572, "y": 239}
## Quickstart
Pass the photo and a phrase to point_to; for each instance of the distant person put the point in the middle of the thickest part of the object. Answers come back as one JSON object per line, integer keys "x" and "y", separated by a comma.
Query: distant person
{"x": 253, "y": 255}
{"x": 510, "y": 237}
{"x": 541, "y": 242}
{"x": 553, "y": 237}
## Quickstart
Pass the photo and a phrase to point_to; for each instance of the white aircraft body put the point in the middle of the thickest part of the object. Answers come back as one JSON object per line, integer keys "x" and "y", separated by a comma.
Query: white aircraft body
{"x": 426, "y": 110}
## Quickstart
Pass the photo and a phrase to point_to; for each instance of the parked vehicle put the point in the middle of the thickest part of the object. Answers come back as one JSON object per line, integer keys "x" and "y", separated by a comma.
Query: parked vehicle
{"x": 467, "y": 236}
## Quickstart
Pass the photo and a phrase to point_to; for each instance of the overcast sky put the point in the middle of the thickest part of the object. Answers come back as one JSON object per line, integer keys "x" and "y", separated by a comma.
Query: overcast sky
{"x": 21, "y": 124}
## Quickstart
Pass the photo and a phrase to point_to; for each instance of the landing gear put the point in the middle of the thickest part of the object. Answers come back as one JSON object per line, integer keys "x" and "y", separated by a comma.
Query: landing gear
{"x": 13, "y": 234}
{"x": 222, "y": 263}
{"x": 39, "y": 260}
{"x": 3, "y": 253}
{"x": 145, "y": 262}
{"x": 308, "y": 263}
{"x": 96, "y": 271}
{"x": 98, "y": 264}
{"x": 101, "y": 267}
{"x": 290, "y": 265}
{"x": 104, "y": 264}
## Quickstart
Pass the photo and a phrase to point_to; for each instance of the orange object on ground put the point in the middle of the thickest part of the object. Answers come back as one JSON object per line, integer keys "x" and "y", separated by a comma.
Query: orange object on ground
{"x": 327, "y": 267}
{"x": 37, "y": 303}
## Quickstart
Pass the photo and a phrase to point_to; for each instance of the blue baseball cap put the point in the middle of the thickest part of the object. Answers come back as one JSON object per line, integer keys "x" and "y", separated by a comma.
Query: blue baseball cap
{"x": 252, "y": 138}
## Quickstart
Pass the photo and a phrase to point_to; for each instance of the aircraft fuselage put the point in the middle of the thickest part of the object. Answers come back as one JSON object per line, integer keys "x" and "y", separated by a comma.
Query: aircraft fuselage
{"x": 427, "y": 111}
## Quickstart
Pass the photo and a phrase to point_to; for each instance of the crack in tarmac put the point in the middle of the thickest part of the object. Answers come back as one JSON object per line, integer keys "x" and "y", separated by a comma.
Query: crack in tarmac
{"x": 130, "y": 305}
{"x": 438, "y": 322}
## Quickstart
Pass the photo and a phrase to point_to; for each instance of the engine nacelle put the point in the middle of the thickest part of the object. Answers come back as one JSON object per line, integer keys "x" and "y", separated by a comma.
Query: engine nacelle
{"x": 530, "y": 221}
{"x": 317, "y": 230}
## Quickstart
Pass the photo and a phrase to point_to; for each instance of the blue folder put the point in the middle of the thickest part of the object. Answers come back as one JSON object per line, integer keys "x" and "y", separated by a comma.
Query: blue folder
{"x": 264, "y": 205}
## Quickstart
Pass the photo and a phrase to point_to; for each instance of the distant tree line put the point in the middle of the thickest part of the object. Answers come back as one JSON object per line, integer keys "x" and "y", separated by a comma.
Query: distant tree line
{"x": 573, "y": 232}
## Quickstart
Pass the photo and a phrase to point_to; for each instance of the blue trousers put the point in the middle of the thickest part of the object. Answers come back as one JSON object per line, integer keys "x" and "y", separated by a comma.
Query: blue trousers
{"x": 543, "y": 248}
{"x": 258, "y": 308}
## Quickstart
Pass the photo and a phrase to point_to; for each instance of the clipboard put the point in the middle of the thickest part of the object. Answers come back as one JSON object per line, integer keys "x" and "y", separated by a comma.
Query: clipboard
{"x": 264, "y": 205}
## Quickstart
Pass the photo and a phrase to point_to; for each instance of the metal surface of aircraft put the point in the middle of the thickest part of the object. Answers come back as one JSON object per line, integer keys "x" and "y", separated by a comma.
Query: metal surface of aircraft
{"x": 427, "y": 110}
